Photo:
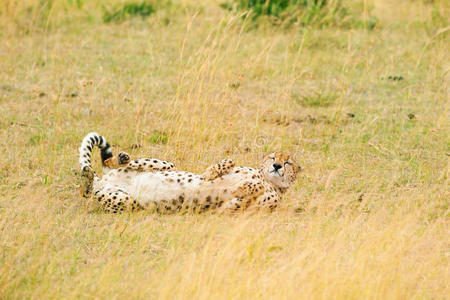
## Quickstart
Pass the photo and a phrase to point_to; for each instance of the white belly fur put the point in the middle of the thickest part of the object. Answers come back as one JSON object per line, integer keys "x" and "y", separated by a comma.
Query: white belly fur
{"x": 167, "y": 186}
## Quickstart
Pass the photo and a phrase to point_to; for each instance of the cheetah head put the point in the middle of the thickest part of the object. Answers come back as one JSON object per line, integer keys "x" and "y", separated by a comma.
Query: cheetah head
{"x": 280, "y": 169}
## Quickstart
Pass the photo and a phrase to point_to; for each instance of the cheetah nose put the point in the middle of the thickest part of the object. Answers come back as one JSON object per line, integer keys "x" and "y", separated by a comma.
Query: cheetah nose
{"x": 276, "y": 167}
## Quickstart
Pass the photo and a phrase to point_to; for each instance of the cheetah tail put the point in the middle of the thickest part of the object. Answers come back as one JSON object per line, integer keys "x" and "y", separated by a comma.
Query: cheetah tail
{"x": 90, "y": 140}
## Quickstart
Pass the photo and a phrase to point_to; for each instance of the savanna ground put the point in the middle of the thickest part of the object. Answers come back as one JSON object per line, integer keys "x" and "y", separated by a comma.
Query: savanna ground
{"x": 365, "y": 111}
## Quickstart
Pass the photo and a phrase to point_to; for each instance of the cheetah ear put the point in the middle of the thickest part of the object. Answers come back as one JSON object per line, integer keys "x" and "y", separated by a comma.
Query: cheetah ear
{"x": 294, "y": 159}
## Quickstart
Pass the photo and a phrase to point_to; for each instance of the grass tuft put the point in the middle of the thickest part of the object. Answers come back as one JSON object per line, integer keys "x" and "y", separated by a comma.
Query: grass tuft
{"x": 316, "y": 99}
{"x": 305, "y": 13}
{"x": 158, "y": 137}
{"x": 127, "y": 11}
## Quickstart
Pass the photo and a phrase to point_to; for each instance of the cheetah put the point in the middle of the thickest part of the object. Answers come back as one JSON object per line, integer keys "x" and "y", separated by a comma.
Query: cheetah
{"x": 153, "y": 184}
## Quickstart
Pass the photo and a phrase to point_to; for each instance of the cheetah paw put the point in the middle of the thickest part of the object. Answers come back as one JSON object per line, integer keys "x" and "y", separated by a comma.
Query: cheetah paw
{"x": 123, "y": 158}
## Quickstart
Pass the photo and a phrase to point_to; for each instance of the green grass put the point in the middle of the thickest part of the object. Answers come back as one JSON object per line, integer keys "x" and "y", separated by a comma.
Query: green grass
{"x": 129, "y": 10}
{"x": 305, "y": 13}
{"x": 316, "y": 99}
{"x": 158, "y": 138}
{"x": 192, "y": 83}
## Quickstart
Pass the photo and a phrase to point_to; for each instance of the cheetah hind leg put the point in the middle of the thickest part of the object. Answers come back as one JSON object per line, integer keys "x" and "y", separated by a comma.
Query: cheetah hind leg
{"x": 87, "y": 182}
{"x": 141, "y": 164}
{"x": 151, "y": 164}
{"x": 219, "y": 169}
{"x": 115, "y": 200}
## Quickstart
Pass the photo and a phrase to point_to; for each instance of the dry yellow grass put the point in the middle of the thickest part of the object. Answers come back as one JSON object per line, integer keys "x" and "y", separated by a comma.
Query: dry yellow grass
{"x": 367, "y": 219}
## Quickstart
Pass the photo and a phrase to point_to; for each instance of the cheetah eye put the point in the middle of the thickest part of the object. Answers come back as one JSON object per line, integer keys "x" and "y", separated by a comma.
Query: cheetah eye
{"x": 272, "y": 158}
{"x": 288, "y": 163}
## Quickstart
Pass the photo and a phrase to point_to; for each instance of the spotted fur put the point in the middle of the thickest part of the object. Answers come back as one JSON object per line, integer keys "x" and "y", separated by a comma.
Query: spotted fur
{"x": 90, "y": 180}
{"x": 153, "y": 184}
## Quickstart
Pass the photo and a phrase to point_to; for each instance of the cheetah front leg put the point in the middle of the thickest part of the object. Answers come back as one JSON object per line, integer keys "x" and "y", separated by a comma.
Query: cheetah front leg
{"x": 244, "y": 194}
{"x": 219, "y": 169}
{"x": 267, "y": 201}
{"x": 116, "y": 200}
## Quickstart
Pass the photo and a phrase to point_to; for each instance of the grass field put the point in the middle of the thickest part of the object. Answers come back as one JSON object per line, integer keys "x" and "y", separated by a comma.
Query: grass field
{"x": 364, "y": 110}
